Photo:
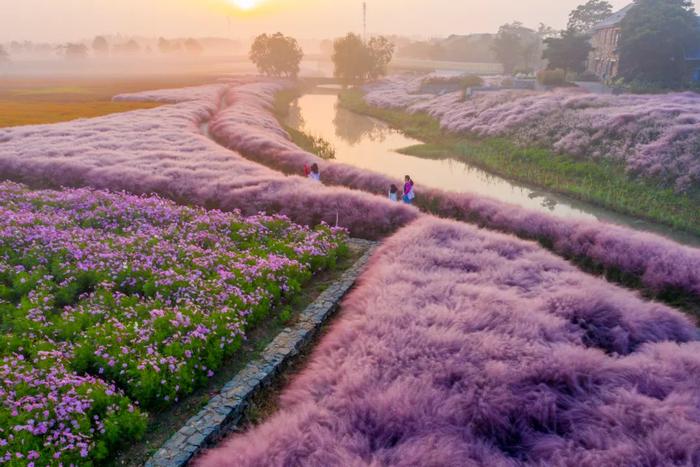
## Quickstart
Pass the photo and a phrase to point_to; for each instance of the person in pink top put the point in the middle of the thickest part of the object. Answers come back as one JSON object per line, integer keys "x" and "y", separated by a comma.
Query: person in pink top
{"x": 408, "y": 192}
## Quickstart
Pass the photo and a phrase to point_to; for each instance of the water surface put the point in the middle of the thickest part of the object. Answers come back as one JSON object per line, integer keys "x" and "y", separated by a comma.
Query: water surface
{"x": 371, "y": 144}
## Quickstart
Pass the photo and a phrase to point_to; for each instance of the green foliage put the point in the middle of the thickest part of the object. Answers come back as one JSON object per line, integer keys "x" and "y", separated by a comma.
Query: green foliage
{"x": 276, "y": 55}
{"x": 356, "y": 61}
{"x": 285, "y": 316}
{"x": 654, "y": 36}
{"x": 551, "y": 77}
{"x": 584, "y": 17}
{"x": 568, "y": 52}
{"x": 313, "y": 144}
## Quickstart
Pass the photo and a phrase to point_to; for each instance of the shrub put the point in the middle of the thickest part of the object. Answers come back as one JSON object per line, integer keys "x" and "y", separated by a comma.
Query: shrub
{"x": 551, "y": 77}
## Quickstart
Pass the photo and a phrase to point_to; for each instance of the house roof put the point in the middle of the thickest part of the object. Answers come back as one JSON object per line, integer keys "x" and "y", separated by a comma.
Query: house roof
{"x": 614, "y": 19}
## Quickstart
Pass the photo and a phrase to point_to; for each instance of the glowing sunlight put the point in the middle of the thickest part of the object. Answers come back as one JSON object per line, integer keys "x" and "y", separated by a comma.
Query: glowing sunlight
{"x": 245, "y": 4}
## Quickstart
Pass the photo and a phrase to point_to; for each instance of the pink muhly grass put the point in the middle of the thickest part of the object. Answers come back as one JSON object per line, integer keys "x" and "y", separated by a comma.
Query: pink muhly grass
{"x": 249, "y": 126}
{"x": 162, "y": 151}
{"x": 462, "y": 346}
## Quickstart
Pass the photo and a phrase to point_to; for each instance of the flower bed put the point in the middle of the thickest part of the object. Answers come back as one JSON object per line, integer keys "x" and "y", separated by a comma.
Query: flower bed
{"x": 465, "y": 347}
{"x": 655, "y": 136}
{"x": 101, "y": 290}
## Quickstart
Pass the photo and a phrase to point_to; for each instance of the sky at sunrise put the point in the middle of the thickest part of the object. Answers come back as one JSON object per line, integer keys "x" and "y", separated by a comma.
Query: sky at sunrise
{"x": 62, "y": 20}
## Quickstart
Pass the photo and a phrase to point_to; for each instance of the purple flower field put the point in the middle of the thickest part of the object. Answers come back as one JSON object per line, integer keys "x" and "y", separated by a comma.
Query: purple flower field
{"x": 652, "y": 135}
{"x": 101, "y": 290}
{"x": 464, "y": 347}
{"x": 248, "y": 126}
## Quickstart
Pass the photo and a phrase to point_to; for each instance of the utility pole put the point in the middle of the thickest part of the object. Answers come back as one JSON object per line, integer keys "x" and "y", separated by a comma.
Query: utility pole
{"x": 364, "y": 21}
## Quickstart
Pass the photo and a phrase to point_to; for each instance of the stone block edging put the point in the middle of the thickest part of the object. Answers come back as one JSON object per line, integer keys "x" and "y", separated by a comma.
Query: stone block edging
{"x": 226, "y": 409}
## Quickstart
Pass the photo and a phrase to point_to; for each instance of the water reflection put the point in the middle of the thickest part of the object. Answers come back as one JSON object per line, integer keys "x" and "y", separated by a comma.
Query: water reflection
{"x": 371, "y": 144}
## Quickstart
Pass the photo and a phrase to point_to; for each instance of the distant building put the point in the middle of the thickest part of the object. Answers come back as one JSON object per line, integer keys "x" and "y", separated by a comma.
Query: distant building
{"x": 604, "y": 60}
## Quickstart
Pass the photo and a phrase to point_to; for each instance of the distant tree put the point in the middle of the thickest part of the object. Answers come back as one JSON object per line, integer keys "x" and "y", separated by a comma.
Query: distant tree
{"x": 193, "y": 47}
{"x": 654, "y": 35}
{"x": 568, "y": 52}
{"x": 351, "y": 59}
{"x": 4, "y": 55}
{"x": 100, "y": 46}
{"x": 130, "y": 48}
{"x": 516, "y": 46}
{"x": 356, "y": 61}
{"x": 584, "y": 17}
{"x": 546, "y": 32}
{"x": 163, "y": 45}
{"x": 381, "y": 51}
{"x": 276, "y": 55}
{"x": 75, "y": 51}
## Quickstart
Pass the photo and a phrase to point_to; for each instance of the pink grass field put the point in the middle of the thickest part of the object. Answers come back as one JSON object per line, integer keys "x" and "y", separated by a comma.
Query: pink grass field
{"x": 163, "y": 150}
{"x": 460, "y": 346}
{"x": 248, "y": 125}
{"x": 465, "y": 347}
{"x": 652, "y": 135}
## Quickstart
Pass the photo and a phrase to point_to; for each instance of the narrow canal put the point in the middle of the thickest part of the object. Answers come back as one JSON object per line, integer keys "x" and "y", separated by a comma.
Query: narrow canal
{"x": 371, "y": 144}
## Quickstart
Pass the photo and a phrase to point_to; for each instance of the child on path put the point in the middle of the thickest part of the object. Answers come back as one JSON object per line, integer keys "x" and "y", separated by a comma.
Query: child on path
{"x": 394, "y": 193}
{"x": 315, "y": 173}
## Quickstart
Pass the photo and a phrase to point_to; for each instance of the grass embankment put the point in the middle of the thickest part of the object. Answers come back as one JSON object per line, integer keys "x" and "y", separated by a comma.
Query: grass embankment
{"x": 39, "y": 101}
{"x": 601, "y": 183}
{"x": 310, "y": 143}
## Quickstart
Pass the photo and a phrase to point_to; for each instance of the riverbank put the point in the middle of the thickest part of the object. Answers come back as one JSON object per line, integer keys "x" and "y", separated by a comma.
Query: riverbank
{"x": 601, "y": 183}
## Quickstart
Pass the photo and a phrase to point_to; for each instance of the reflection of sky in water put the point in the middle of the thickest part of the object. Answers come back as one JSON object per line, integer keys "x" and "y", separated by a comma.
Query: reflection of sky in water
{"x": 370, "y": 144}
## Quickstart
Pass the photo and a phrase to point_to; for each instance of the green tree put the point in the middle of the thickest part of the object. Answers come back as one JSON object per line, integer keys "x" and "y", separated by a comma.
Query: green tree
{"x": 4, "y": 55}
{"x": 356, "y": 61}
{"x": 276, "y": 55}
{"x": 381, "y": 51}
{"x": 585, "y": 16}
{"x": 516, "y": 47}
{"x": 568, "y": 52}
{"x": 654, "y": 35}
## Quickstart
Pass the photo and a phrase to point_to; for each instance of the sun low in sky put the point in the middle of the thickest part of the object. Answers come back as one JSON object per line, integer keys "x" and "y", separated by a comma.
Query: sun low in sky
{"x": 246, "y": 4}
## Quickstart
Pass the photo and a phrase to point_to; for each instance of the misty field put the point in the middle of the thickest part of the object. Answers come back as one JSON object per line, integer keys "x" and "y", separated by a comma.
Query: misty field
{"x": 460, "y": 344}
{"x": 44, "y": 100}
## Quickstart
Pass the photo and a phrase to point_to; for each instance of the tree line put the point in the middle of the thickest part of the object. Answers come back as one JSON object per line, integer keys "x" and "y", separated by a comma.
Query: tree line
{"x": 355, "y": 60}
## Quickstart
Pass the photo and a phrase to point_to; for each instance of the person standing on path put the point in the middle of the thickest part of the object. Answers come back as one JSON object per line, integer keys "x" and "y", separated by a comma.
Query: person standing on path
{"x": 409, "y": 193}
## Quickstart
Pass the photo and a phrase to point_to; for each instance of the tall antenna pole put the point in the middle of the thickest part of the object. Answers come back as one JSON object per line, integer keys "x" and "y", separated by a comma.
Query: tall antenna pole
{"x": 364, "y": 21}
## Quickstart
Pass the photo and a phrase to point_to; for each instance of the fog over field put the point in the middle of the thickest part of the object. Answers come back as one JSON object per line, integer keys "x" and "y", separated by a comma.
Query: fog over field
{"x": 61, "y": 20}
